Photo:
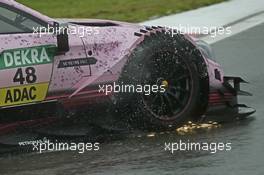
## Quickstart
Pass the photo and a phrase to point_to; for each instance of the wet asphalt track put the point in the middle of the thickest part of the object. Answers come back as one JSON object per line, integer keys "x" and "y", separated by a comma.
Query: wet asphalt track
{"x": 241, "y": 55}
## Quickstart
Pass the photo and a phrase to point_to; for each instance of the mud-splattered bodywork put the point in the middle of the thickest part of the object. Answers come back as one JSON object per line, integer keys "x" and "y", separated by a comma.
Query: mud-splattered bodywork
{"x": 94, "y": 58}
{"x": 101, "y": 54}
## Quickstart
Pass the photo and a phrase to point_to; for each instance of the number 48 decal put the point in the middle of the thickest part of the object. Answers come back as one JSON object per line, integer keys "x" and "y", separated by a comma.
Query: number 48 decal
{"x": 28, "y": 75}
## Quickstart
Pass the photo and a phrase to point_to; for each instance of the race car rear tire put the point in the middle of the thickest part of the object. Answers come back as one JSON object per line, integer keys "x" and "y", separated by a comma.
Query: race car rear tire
{"x": 161, "y": 60}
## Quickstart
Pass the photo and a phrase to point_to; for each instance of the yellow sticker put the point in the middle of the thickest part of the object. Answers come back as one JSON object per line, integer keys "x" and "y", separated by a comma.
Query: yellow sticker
{"x": 23, "y": 94}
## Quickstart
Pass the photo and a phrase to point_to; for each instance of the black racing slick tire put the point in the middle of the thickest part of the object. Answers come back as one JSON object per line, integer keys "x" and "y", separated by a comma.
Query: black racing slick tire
{"x": 168, "y": 63}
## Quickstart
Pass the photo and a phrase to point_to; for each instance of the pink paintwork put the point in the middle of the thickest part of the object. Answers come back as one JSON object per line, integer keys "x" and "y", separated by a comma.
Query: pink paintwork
{"x": 111, "y": 46}
{"x": 60, "y": 75}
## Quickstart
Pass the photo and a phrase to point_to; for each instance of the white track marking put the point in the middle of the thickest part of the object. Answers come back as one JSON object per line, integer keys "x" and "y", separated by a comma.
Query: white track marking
{"x": 237, "y": 28}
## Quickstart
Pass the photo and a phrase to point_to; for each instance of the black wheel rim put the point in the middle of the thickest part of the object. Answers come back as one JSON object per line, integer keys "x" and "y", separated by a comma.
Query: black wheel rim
{"x": 165, "y": 68}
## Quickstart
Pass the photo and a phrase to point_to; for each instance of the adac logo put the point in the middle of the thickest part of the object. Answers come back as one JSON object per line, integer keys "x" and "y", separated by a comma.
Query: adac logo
{"x": 27, "y": 56}
{"x": 23, "y": 94}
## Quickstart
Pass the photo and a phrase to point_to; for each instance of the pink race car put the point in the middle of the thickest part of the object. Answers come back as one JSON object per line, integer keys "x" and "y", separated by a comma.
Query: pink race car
{"x": 51, "y": 71}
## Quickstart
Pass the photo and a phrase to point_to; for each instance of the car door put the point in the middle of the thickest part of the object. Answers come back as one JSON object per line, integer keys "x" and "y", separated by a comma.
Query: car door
{"x": 26, "y": 58}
